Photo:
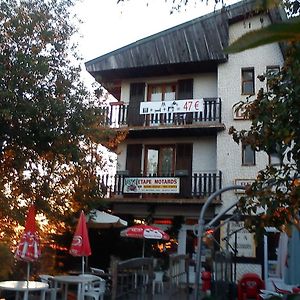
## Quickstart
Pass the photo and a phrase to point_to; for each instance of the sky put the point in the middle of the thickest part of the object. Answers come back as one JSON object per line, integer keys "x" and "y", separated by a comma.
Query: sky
{"x": 107, "y": 26}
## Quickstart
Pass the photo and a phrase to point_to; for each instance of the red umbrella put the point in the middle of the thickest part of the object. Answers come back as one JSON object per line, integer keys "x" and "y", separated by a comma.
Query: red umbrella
{"x": 145, "y": 232}
{"x": 28, "y": 248}
{"x": 80, "y": 244}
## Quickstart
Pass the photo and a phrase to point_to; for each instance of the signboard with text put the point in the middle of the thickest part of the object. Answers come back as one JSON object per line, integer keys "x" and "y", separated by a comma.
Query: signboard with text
{"x": 243, "y": 182}
{"x": 238, "y": 238}
{"x": 175, "y": 106}
{"x": 151, "y": 185}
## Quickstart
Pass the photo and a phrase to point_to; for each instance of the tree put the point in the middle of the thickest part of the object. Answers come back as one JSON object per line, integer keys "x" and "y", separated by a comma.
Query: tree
{"x": 50, "y": 129}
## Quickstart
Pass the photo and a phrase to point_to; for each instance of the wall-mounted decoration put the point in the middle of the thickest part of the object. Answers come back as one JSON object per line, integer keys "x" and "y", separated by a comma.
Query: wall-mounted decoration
{"x": 238, "y": 111}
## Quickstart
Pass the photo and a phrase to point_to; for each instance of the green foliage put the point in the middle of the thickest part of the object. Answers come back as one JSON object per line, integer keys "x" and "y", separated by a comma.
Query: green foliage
{"x": 272, "y": 33}
{"x": 50, "y": 124}
{"x": 293, "y": 297}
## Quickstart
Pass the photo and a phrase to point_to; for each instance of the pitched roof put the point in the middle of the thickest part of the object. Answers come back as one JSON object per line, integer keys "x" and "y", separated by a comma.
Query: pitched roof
{"x": 196, "y": 44}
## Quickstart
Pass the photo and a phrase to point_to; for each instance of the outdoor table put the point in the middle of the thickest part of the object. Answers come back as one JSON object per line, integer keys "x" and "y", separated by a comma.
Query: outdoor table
{"x": 25, "y": 287}
{"x": 67, "y": 280}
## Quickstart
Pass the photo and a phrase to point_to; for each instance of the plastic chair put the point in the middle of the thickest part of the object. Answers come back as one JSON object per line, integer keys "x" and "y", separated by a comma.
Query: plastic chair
{"x": 51, "y": 289}
{"x": 158, "y": 282}
{"x": 97, "y": 271}
{"x": 95, "y": 289}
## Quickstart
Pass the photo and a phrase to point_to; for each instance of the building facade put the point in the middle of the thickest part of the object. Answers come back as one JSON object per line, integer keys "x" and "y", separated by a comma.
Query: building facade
{"x": 177, "y": 94}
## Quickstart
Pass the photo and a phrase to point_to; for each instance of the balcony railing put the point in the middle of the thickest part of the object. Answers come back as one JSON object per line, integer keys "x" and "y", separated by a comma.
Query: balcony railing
{"x": 199, "y": 185}
{"x": 118, "y": 115}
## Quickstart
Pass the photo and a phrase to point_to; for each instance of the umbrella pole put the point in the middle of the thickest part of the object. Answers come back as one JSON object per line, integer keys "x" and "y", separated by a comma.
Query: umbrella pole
{"x": 28, "y": 272}
{"x": 27, "y": 290}
{"x": 143, "y": 255}
{"x": 82, "y": 261}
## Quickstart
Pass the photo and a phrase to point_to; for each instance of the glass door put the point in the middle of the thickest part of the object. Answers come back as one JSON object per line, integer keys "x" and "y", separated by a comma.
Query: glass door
{"x": 160, "y": 160}
{"x": 159, "y": 93}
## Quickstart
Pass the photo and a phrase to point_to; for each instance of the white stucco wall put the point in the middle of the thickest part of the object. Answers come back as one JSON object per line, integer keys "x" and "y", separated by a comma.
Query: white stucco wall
{"x": 204, "y": 149}
{"x": 204, "y": 152}
{"x": 121, "y": 160}
{"x": 205, "y": 84}
{"x": 229, "y": 154}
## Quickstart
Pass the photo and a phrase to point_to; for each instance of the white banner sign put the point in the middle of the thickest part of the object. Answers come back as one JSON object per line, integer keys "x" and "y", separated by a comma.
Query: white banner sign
{"x": 175, "y": 106}
{"x": 151, "y": 185}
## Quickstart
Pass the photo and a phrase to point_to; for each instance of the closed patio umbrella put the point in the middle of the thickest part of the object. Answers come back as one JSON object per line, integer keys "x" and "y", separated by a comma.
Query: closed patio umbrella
{"x": 80, "y": 244}
{"x": 28, "y": 248}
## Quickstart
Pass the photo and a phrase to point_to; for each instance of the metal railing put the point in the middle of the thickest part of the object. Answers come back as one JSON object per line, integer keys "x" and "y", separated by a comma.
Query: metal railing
{"x": 128, "y": 115}
{"x": 199, "y": 185}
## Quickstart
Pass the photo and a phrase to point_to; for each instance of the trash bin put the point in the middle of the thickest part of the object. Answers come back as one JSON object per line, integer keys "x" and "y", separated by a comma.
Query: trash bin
{"x": 249, "y": 286}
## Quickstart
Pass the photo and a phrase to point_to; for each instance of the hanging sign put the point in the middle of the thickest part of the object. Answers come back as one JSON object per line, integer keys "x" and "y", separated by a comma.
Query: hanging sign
{"x": 175, "y": 106}
{"x": 135, "y": 185}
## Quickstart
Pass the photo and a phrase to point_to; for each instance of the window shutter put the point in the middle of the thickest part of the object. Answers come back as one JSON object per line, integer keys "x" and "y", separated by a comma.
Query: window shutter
{"x": 185, "y": 89}
{"x": 133, "y": 159}
{"x": 184, "y": 155}
{"x": 137, "y": 95}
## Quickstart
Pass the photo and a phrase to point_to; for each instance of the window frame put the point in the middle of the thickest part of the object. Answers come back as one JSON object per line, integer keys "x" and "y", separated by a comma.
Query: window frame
{"x": 245, "y": 162}
{"x": 244, "y": 81}
{"x": 163, "y": 85}
{"x": 159, "y": 167}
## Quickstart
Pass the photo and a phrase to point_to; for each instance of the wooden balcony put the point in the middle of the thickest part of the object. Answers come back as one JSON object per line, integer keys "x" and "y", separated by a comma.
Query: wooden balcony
{"x": 119, "y": 115}
{"x": 191, "y": 189}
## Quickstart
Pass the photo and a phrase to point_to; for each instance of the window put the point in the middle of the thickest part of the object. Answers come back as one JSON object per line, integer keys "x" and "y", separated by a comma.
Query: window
{"x": 159, "y": 160}
{"x": 271, "y": 71}
{"x": 248, "y": 155}
{"x": 274, "y": 159}
{"x": 162, "y": 92}
{"x": 248, "y": 81}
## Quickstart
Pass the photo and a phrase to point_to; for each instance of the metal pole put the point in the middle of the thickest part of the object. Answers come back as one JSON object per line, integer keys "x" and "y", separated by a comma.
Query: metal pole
{"x": 201, "y": 227}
